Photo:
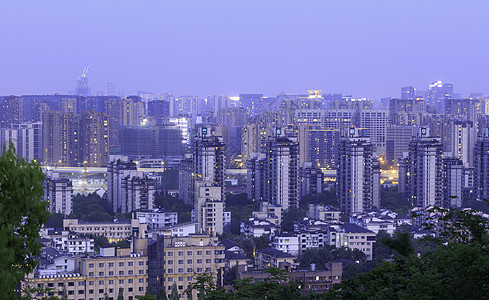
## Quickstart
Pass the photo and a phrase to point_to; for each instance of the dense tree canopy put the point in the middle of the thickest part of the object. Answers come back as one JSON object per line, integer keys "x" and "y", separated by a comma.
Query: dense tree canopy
{"x": 22, "y": 213}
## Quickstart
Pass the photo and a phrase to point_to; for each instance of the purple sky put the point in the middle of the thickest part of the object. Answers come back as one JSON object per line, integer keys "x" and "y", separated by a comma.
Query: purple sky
{"x": 365, "y": 48}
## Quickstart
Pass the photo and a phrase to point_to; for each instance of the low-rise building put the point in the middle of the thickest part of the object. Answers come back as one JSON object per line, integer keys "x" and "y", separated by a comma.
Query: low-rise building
{"x": 96, "y": 277}
{"x": 313, "y": 280}
{"x": 288, "y": 243}
{"x": 269, "y": 212}
{"x": 157, "y": 218}
{"x": 383, "y": 219}
{"x": 182, "y": 229}
{"x": 73, "y": 243}
{"x": 353, "y": 237}
{"x": 257, "y": 227}
{"x": 273, "y": 258}
{"x": 179, "y": 260}
{"x": 113, "y": 231}
{"x": 324, "y": 213}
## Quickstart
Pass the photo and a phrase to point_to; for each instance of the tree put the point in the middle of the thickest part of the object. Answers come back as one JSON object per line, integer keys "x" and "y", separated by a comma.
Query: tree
{"x": 291, "y": 215}
{"x": 147, "y": 296}
{"x": 318, "y": 256}
{"x": 22, "y": 213}
{"x": 161, "y": 295}
{"x": 174, "y": 292}
{"x": 121, "y": 294}
{"x": 455, "y": 269}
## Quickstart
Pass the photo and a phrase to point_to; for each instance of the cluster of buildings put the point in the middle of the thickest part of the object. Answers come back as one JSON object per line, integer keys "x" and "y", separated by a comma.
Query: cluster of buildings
{"x": 276, "y": 149}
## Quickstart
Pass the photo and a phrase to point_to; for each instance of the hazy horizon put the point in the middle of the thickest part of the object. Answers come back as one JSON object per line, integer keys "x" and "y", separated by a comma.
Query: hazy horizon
{"x": 366, "y": 49}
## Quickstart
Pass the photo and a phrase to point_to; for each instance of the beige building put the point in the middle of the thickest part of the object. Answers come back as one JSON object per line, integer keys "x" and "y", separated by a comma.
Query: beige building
{"x": 324, "y": 213}
{"x": 98, "y": 275}
{"x": 353, "y": 237}
{"x": 271, "y": 213}
{"x": 209, "y": 207}
{"x": 184, "y": 259}
{"x": 113, "y": 231}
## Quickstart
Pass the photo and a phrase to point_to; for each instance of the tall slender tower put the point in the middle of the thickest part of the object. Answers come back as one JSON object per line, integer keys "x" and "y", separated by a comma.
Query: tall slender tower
{"x": 282, "y": 170}
{"x": 425, "y": 170}
{"x": 355, "y": 173}
{"x": 481, "y": 166}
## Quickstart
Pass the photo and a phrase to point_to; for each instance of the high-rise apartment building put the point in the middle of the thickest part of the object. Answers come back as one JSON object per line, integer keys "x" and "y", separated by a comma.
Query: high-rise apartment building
{"x": 355, "y": 173}
{"x": 26, "y": 138}
{"x": 408, "y": 92}
{"x": 481, "y": 166}
{"x": 374, "y": 123}
{"x": 159, "y": 109}
{"x": 75, "y": 139}
{"x": 397, "y": 141}
{"x": 127, "y": 188}
{"x": 253, "y": 103}
{"x": 151, "y": 141}
{"x": 425, "y": 170}
{"x": 58, "y": 192}
{"x": 459, "y": 139}
{"x": 62, "y": 139}
{"x": 453, "y": 182}
{"x": 256, "y": 177}
{"x": 437, "y": 93}
{"x": 311, "y": 179}
{"x": 282, "y": 170}
{"x": 235, "y": 116}
{"x": 11, "y": 111}
{"x": 209, "y": 207}
{"x": 95, "y": 138}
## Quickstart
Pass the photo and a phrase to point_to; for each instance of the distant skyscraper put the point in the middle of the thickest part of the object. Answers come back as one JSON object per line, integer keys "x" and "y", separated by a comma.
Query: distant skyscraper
{"x": 397, "y": 141}
{"x": 27, "y": 140}
{"x": 374, "y": 123}
{"x": 282, "y": 170}
{"x": 127, "y": 188}
{"x": 111, "y": 88}
{"x": 11, "y": 111}
{"x": 437, "y": 93}
{"x": 254, "y": 103}
{"x": 460, "y": 138}
{"x": 481, "y": 166}
{"x": 159, "y": 110}
{"x": 82, "y": 87}
{"x": 72, "y": 139}
{"x": 311, "y": 179}
{"x": 453, "y": 175}
{"x": 425, "y": 170}
{"x": 151, "y": 141}
{"x": 355, "y": 174}
{"x": 408, "y": 92}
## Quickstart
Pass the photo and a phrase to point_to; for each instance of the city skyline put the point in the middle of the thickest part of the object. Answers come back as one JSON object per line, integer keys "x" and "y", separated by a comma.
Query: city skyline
{"x": 206, "y": 48}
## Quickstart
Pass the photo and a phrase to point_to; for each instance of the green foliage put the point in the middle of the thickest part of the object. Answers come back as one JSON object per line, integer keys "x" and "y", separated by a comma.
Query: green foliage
{"x": 148, "y": 296}
{"x": 454, "y": 268}
{"x": 323, "y": 198}
{"x": 22, "y": 214}
{"x": 91, "y": 207}
{"x": 169, "y": 180}
{"x": 323, "y": 255}
{"x": 55, "y": 220}
{"x": 391, "y": 199}
{"x": 161, "y": 295}
{"x": 174, "y": 292}
{"x": 240, "y": 208}
{"x": 230, "y": 275}
{"x": 276, "y": 286}
{"x": 121, "y": 294}
{"x": 318, "y": 256}
{"x": 175, "y": 204}
{"x": 291, "y": 215}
